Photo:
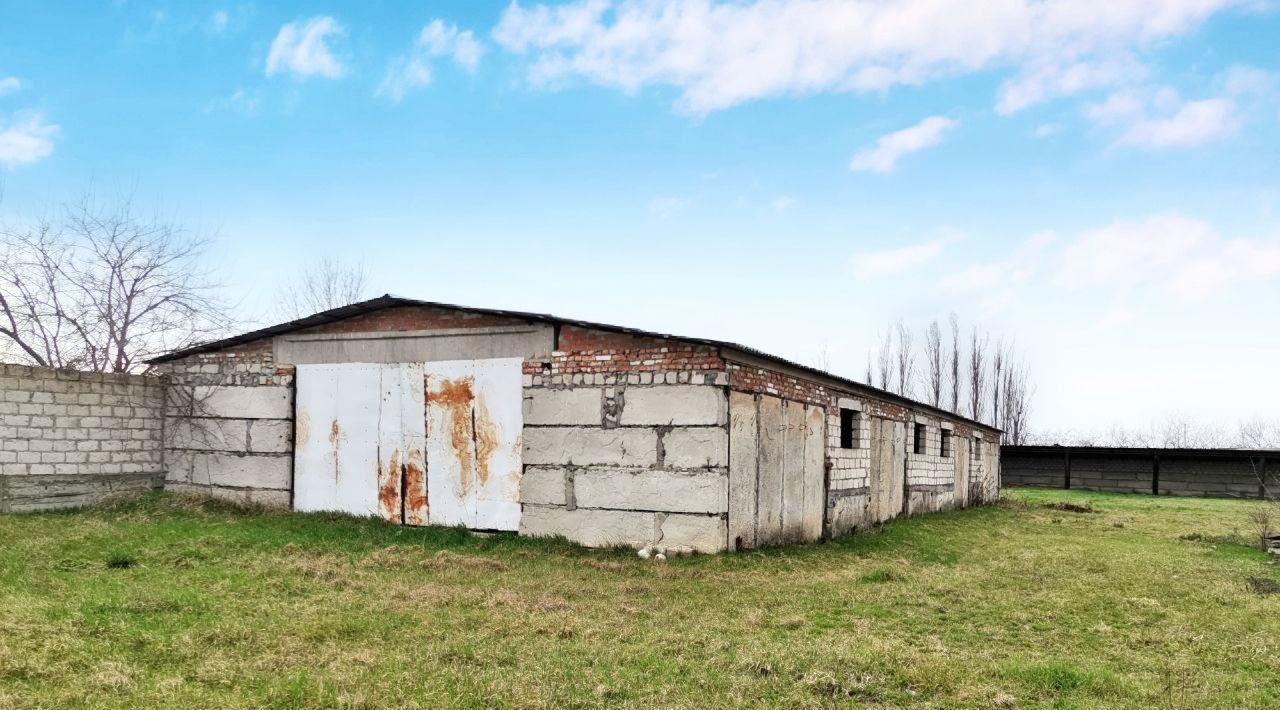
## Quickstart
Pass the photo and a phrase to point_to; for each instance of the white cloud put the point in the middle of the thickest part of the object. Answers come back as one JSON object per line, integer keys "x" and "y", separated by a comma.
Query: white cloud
{"x": 9, "y": 84}
{"x": 1159, "y": 118}
{"x": 891, "y": 262}
{"x": 668, "y": 206}
{"x": 1194, "y": 123}
{"x": 783, "y": 202}
{"x": 413, "y": 70}
{"x": 1041, "y": 83}
{"x": 242, "y": 101}
{"x": 1131, "y": 250}
{"x": 883, "y": 157}
{"x": 301, "y": 48}
{"x": 1047, "y": 130}
{"x": 1242, "y": 79}
{"x": 1178, "y": 254}
{"x": 720, "y": 54}
{"x": 218, "y": 20}
{"x": 26, "y": 141}
{"x": 1016, "y": 269}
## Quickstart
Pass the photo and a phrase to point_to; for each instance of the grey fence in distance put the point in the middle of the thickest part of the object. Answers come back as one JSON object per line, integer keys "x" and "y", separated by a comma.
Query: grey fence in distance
{"x": 1218, "y": 473}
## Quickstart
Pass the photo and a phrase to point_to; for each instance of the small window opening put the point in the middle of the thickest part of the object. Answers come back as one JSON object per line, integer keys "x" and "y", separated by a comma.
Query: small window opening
{"x": 919, "y": 438}
{"x": 946, "y": 443}
{"x": 977, "y": 449}
{"x": 848, "y": 429}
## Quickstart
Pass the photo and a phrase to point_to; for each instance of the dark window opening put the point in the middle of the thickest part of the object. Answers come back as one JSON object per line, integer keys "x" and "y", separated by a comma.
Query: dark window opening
{"x": 919, "y": 440}
{"x": 977, "y": 449}
{"x": 848, "y": 429}
{"x": 946, "y": 443}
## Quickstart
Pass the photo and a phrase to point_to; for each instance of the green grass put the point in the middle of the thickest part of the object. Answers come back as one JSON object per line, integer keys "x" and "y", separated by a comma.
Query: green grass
{"x": 170, "y": 602}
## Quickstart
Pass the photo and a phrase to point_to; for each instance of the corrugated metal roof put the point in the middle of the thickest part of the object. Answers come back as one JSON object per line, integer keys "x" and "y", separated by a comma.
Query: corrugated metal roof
{"x": 391, "y": 301}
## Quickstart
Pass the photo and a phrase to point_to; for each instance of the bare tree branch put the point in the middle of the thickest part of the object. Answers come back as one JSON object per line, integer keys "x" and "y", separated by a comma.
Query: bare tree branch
{"x": 906, "y": 361}
{"x": 325, "y": 285}
{"x": 103, "y": 289}
{"x": 934, "y": 360}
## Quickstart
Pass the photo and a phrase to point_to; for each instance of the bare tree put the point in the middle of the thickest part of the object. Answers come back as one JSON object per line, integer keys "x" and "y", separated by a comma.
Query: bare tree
{"x": 977, "y": 375}
{"x": 325, "y": 285}
{"x": 1016, "y": 393}
{"x": 997, "y": 382}
{"x": 101, "y": 288}
{"x": 885, "y": 361}
{"x": 822, "y": 358}
{"x": 934, "y": 360}
{"x": 906, "y": 361}
{"x": 955, "y": 363}
{"x": 1258, "y": 433}
{"x": 868, "y": 378}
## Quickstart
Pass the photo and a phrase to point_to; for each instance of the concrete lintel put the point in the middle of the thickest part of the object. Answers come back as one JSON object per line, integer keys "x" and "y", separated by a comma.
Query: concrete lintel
{"x": 847, "y": 403}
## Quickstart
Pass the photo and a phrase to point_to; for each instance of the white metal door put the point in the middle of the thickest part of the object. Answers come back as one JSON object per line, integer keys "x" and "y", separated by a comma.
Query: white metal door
{"x": 474, "y": 424}
{"x": 359, "y": 438}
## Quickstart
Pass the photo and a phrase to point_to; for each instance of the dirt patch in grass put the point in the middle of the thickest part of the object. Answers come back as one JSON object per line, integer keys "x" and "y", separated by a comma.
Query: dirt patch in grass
{"x": 1264, "y": 586}
{"x": 1070, "y": 507}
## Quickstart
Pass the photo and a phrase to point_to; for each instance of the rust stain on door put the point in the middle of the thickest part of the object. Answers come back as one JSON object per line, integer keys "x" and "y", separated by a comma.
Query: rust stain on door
{"x": 486, "y": 436}
{"x": 456, "y": 397}
{"x": 389, "y": 489}
{"x": 414, "y": 490}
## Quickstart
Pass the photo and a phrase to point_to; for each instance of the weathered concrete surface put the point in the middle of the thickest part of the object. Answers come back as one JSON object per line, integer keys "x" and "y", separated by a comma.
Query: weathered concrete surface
{"x": 270, "y": 437}
{"x": 704, "y": 533}
{"x": 651, "y": 490}
{"x": 588, "y": 447}
{"x": 19, "y": 494}
{"x": 196, "y": 434}
{"x": 223, "y": 469}
{"x": 743, "y": 458}
{"x": 848, "y": 513}
{"x": 702, "y": 447}
{"x": 250, "y": 496}
{"x": 579, "y": 406}
{"x": 526, "y": 341}
{"x": 242, "y": 402}
{"x": 594, "y": 528}
{"x": 678, "y": 405}
{"x": 544, "y": 486}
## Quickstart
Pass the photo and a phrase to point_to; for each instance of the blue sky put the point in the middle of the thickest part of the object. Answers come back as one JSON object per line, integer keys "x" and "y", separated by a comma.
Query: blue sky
{"x": 1098, "y": 182}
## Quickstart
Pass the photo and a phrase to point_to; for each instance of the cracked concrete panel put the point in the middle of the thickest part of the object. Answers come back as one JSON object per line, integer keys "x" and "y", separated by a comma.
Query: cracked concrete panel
{"x": 543, "y": 486}
{"x": 704, "y": 533}
{"x": 704, "y": 447}
{"x": 590, "y": 447}
{"x": 271, "y": 437}
{"x": 565, "y": 407}
{"x": 242, "y": 471}
{"x": 651, "y": 490}
{"x": 178, "y": 465}
{"x": 244, "y": 402}
{"x": 675, "y": 405}
{"x": 210, "y": 434}
{"x": 594, "y": 528}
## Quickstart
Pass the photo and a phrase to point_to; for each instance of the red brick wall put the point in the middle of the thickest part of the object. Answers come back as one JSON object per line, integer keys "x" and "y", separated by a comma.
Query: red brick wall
{"x": 584, "y": 350}
{"x": 760, "y": 380}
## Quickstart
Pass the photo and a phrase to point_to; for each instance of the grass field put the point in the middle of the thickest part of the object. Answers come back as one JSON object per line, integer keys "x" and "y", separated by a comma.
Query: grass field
{"x": 170, "y": 602}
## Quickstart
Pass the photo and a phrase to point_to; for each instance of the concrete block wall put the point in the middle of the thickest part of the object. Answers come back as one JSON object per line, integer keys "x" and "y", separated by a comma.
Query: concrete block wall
{"x": 617, "y": 458}
{"x": 230, "y": 431}
{"x": 69, "y": 438}
{"x": 849, "y": 477}
{"x": 866, "y": 484}
{"x": 1218, "y": 478}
